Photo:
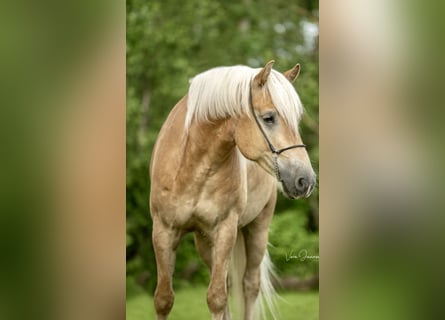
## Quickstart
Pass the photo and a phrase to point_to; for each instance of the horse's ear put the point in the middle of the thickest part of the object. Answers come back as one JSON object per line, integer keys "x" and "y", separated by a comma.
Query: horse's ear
{"x": 261, "y": 78}
{"x": 293, "y": 73}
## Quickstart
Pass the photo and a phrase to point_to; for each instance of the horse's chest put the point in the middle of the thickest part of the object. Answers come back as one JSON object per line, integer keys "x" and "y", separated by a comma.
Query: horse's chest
{"x": 214, "y": 206}
{"x": 260, "y": 186}
{"x": 203, "y": 206}
{"x": 256, "y": 201}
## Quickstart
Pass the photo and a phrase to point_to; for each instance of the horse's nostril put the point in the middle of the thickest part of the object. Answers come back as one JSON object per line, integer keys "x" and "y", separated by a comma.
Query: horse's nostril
{"x": 302, "y": 184}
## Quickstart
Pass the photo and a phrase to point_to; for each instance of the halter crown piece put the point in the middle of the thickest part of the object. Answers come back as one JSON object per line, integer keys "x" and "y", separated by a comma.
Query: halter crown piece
{"x": 274, "y": 151}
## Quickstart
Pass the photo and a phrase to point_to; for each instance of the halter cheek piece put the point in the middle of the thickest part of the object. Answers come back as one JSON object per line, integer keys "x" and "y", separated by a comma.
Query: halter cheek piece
{"x": 274, "y": 151}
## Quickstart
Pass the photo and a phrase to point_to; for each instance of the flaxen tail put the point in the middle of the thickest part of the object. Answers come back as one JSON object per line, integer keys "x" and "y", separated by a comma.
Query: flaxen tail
{"x": 267, "y": 298}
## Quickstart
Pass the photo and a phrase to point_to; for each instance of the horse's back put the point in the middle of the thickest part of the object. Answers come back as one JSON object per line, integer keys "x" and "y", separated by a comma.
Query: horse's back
{"x": 169, "y": 139}
{"x": 165, "y": 160}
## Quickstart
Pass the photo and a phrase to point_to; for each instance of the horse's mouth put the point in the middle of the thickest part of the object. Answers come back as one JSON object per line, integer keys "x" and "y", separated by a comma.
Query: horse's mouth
{"x": 291, "y": 196}
{"x": 286, "y": 192}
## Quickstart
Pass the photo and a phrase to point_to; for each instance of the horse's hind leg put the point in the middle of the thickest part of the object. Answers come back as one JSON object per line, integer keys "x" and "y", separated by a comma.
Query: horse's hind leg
{"x": 255, "y": 236}
{"x": 165, "y": 242}
{"x": 204, "y": 247}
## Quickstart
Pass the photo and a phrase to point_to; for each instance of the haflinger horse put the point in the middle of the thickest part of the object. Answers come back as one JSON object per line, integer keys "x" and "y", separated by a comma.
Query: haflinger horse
{"x": 215, "y": 168}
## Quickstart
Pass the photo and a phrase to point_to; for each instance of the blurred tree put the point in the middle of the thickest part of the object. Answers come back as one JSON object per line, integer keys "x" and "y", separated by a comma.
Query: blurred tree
{"x": 170, "y": 42}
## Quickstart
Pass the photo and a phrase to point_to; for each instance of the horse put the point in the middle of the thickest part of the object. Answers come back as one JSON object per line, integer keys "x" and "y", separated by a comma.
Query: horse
{"x": 219, "y": 157}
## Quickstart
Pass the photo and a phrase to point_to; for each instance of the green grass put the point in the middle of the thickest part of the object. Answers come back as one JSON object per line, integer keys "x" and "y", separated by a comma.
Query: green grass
{"x": 191, "y": 303}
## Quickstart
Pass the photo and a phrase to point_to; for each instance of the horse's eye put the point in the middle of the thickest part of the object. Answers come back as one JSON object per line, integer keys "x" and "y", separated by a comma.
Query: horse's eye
{"x": 269, "y": 119}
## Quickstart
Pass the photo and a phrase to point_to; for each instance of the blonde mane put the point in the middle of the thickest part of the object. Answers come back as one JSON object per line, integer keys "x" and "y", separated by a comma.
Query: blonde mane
{"x": 224, "y": 92}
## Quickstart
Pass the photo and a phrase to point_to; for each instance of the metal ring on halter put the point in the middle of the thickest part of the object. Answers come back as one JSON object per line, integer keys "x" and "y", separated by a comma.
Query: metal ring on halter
{"x": 275, "y": 152}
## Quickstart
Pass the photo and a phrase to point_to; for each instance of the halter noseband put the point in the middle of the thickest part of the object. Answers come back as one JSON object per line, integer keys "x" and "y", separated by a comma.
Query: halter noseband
{"x": 274, "y": 151}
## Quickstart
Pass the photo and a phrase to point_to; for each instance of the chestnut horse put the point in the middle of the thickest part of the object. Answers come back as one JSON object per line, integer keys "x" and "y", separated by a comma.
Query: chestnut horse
{"x": 215, "y": 168}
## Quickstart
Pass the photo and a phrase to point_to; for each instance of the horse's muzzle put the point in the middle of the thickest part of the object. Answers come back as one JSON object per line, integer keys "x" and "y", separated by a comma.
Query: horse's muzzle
{"x": 305, "y": 184}
{"x": 300, "y": 184}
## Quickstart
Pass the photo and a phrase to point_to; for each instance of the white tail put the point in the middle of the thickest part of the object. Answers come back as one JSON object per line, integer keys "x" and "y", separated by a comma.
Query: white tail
{"x": 267, "y": 296}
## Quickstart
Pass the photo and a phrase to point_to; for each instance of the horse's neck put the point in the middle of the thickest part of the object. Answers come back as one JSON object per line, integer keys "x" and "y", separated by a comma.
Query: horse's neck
{"x": 210, "y": 146}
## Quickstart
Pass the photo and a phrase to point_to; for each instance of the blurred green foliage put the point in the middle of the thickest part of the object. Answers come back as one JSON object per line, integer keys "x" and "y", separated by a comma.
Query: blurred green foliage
{"x": 168, "y": 42}
{"x": 291, "y": 243}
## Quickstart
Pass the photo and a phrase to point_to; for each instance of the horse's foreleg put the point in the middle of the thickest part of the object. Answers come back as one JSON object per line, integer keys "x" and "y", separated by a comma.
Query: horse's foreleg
{"x": 255, "y": 250}
{"x": 223, "y": 242}
{"x": 204, "y": 246}
{"x": 255, "y": 236}
{"x": 165, "y": 241}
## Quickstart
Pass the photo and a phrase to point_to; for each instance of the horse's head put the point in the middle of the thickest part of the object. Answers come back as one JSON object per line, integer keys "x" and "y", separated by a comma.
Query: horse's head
{"x": 268, "y": 133}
